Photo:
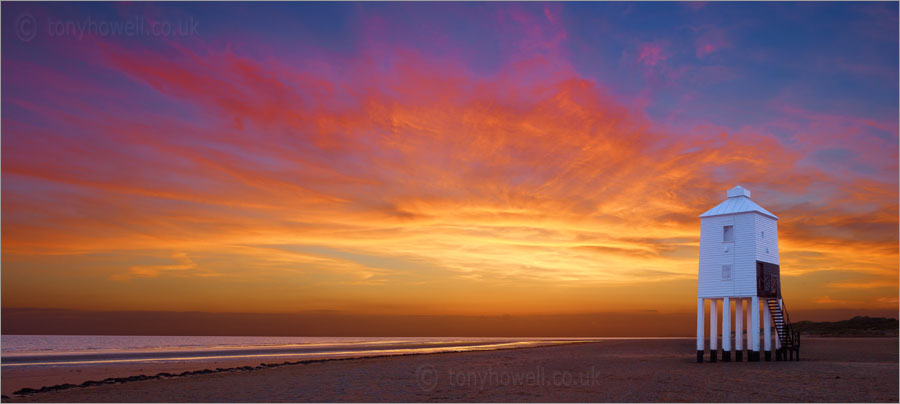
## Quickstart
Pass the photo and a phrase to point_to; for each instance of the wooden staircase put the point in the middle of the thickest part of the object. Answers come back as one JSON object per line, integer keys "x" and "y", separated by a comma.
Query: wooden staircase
{"x": 787, "y": 337}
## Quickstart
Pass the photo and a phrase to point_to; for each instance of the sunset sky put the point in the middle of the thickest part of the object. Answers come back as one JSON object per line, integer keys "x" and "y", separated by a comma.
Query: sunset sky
{"x": 440, "y": 159}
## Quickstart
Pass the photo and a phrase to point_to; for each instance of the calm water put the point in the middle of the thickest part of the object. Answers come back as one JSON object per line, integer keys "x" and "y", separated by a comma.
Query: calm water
{"x": 43, "y": 350}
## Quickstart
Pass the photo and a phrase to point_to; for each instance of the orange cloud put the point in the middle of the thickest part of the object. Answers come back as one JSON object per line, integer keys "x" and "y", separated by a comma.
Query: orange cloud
{"x": 419, "y": 187}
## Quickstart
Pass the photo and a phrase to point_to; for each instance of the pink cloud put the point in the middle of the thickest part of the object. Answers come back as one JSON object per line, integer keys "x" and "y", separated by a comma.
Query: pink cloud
{"x": 552, "y": 13}
{"x": 651, "y": 54}
{"x": 711, "y": 40}
{"x": 408, "y": 152}
{"x": 696, "y": 5}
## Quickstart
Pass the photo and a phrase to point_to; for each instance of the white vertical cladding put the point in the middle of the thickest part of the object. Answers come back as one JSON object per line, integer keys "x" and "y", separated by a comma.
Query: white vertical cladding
{"x": 755, "y": 238}
{"x": 766, "y": 239}
{"x": 714, "y": 253}
{"x": 744, "y": 269}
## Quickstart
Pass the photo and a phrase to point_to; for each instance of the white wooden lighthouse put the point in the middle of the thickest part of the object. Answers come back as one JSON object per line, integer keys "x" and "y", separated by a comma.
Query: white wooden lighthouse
{"x": 739, "y": 265}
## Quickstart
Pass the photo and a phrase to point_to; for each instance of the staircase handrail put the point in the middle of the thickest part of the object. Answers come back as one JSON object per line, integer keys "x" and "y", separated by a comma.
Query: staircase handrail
{"x": 793, "y": 335}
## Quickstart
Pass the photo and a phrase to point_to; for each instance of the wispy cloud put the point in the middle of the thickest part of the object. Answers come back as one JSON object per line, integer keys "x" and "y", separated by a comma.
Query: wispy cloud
{"x": 417, "y": 176}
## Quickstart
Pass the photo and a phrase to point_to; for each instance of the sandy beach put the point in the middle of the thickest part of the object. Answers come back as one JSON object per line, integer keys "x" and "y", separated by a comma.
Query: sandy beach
{"x": 832, "y": 370}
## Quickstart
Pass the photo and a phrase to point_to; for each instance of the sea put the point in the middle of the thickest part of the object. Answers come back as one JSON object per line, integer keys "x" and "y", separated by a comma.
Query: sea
{"x": 81, "y": 350}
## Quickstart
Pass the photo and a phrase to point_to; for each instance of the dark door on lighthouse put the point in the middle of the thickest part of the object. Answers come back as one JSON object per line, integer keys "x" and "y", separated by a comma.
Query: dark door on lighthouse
{"x": 768, "y": 279}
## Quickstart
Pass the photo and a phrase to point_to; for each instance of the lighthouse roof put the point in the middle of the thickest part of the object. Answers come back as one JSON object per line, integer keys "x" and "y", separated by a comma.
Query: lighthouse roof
{"x": 738, "y": 202}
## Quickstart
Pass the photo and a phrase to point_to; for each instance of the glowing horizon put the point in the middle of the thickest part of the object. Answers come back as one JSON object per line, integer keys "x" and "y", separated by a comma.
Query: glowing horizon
{"x": 442, "y": 158}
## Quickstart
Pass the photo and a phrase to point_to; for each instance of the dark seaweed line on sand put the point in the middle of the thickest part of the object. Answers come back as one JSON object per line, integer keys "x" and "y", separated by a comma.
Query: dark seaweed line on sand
{"x": 166, "y": 375}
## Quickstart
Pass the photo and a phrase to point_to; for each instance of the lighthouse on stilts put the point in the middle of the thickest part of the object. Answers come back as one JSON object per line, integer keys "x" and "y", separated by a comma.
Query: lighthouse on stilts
{"x": 739, "y": 273}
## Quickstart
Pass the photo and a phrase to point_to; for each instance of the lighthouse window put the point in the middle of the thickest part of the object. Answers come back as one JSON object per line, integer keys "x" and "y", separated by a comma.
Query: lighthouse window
{"x": 726, "y": 272}
{"x": 762, "y": 234}
{"x": 729, "y": 234}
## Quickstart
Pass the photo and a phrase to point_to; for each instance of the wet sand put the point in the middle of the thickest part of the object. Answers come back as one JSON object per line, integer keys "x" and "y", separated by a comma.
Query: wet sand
{"x": 832, "y": 370}
{"x": 58, "y": 370}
